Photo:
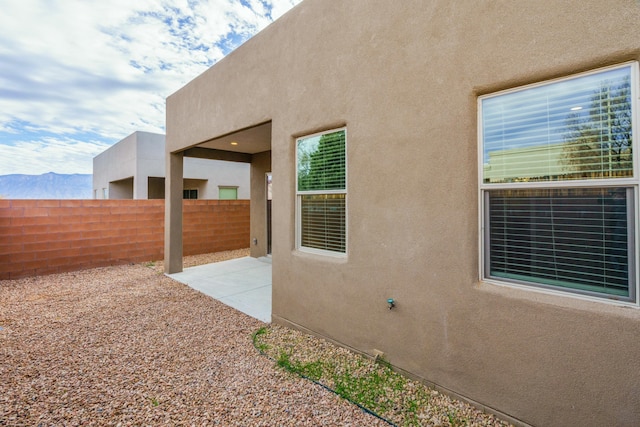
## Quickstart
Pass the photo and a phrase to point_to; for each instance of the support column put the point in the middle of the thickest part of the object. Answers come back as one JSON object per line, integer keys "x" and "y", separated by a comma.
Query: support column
{"x": 260, "y": 165}
{"x": 173, "y": 213}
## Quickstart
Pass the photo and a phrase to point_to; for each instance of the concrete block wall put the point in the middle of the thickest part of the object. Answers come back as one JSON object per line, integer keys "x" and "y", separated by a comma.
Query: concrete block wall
{"x": 51, "y": 236}
{"x": 214, "y": 225}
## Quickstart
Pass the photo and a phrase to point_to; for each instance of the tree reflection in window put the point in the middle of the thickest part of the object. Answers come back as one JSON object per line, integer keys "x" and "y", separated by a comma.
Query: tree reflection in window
{"x": 600, "y": 144}
{"x": 322, "y": 162}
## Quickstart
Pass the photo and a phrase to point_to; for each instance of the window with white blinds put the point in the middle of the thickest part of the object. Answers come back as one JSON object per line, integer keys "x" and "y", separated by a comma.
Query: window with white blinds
{"x": 568, "y": 130}
{"x": 322, "y": 191}
{"x": 558, "y": 184}
{"x": 574, "y": 238}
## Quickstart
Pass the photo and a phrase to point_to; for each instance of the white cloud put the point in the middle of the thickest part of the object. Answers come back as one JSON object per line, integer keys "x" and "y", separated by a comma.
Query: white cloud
{"x": 280, "y": 7}
{"x": 60, "y": 155}
{"x": 70, "y": 67}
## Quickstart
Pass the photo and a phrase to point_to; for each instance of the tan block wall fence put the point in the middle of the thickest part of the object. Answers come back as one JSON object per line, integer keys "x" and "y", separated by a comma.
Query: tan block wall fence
{"x": 53, "y": 236}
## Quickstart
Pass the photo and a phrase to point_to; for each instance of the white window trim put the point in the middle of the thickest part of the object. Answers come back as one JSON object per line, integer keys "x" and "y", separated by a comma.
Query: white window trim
{"x": 298, "y": 215}
{"x": 633, "y": 182}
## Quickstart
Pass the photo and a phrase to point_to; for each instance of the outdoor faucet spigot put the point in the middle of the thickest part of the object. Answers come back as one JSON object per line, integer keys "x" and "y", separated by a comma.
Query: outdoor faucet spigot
{"x": 391, "y": 303}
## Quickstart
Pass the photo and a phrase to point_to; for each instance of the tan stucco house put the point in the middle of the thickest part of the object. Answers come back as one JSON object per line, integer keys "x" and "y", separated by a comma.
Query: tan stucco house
{"x": 133, "y": 168}
{"x": 516, "y": 289}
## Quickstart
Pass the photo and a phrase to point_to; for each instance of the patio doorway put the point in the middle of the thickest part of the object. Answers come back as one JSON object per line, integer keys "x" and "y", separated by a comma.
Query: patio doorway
{"x": 269, "y": 182}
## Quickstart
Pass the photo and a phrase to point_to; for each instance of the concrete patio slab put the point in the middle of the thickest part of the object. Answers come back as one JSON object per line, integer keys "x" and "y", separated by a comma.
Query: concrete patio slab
{"x": 242, "y": 283}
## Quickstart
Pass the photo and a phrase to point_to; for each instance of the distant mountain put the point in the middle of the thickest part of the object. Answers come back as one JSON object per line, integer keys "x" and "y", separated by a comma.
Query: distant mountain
{"x": 46, "y": 186}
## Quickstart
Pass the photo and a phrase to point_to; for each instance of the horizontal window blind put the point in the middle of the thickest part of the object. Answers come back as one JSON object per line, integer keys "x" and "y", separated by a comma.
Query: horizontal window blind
{"x": 574, "y": 238}
{"x": 323, "y": 221}
{"x": 322, "y": 162}
{"x": 322, "y": 187}
{"x": 578, "y": 128}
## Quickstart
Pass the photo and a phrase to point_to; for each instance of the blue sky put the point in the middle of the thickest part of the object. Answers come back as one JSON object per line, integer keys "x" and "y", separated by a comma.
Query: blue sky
{"x": 76, "y": 76}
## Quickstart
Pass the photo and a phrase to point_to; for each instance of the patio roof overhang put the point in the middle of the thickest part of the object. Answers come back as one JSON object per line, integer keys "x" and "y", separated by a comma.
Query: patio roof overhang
{"x": 248, "y": 145}
{"x": 237, "y": 146}
{"x": 213, "y": 154}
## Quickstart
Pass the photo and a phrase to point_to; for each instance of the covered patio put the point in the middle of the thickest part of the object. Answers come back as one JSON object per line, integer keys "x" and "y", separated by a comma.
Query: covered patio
{"x": 246, "y": 145}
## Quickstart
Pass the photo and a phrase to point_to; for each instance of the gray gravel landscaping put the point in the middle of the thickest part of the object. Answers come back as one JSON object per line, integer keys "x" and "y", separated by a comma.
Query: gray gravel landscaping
{"x": 126, "y": 345}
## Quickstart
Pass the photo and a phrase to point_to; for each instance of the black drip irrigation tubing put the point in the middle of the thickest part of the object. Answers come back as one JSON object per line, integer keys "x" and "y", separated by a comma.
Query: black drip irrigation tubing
{"x": 367, "y": 410}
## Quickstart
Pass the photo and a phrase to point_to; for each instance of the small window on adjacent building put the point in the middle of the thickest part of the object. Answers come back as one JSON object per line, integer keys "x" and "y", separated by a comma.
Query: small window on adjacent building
{"x": 227, "y": 193}
{"x": 105, "y": 193}
{"x": 558, "y": 184}
{"x": 322, "y": 192}
{"x": 189, "y": 194}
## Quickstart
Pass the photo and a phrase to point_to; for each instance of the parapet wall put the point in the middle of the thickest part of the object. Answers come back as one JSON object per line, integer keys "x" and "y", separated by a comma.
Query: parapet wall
{"x": 53, "y": 236}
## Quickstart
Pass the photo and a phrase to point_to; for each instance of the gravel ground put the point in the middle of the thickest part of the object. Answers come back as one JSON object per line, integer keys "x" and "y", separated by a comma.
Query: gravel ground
{"x": 127, "y": 346}
{"x": 398, "y": 399}
{"x": 193, "y": 260}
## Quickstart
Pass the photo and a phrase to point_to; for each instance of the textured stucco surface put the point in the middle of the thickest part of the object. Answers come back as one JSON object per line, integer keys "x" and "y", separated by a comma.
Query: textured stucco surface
{"x": 404, "y": 78}
{"x": 133, "y": 168}
{"x": 260, "y": 165}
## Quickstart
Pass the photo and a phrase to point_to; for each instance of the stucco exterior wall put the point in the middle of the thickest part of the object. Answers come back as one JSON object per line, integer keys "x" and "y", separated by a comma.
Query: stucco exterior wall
{"x": 141, "y": 156}
{"x": 217, "y": 174}
{"x": 404, "y": 77}
{"x": 122, "y": 189}
{"x": 149, "y": 162}
{"x": 114, "y": 164}
{"x": 260, "y": 166}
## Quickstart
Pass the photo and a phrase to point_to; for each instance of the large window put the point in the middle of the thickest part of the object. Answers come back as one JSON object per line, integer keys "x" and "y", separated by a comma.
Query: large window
{"x": 322, "y": 192}
{"x": 559, "y": 184}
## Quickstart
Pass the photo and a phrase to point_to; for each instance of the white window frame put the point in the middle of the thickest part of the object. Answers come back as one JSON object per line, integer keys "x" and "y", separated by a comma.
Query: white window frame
{"x": 632, "y": 182}
{"x": 299, "y": 195}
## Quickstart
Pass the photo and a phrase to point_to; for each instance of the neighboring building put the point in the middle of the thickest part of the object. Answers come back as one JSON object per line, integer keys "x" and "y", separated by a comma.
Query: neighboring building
{"x": 517, "y": 290}
{"x": 134, "y": 169}
{"x": 528, "y": 164}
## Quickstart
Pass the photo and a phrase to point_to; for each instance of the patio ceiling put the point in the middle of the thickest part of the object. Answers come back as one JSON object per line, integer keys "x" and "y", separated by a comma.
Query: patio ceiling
{"x": 237, "y": 146}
